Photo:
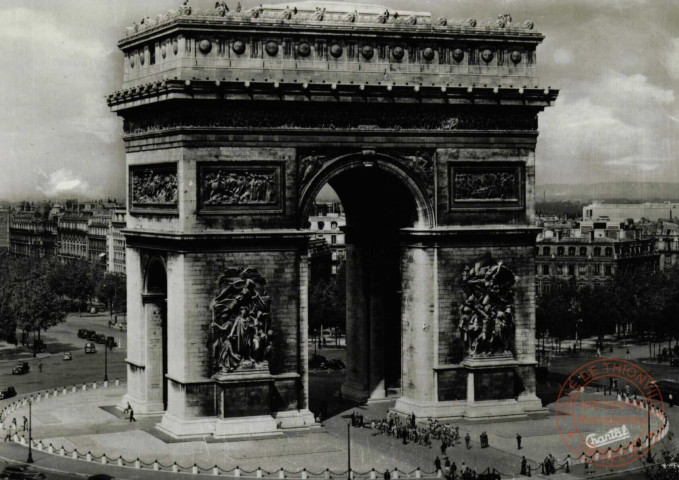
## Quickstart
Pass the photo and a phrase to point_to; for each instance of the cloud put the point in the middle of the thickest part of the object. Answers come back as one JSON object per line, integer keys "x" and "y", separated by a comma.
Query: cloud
{"x": 60, "y": 182}
{"x": 563, "y": 56}
{"x": 635, "y": 88}
{"x": 672, "y": 58}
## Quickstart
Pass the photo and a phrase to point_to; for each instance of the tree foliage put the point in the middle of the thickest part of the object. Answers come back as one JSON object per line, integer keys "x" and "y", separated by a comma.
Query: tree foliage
{"x": 327, "y": 302}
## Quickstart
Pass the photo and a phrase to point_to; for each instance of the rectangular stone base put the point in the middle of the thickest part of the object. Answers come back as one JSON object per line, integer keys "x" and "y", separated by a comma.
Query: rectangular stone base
{"x": 482, "y": 410}
{"x": 295, "y": 419}
{"x": 261, "y": 425}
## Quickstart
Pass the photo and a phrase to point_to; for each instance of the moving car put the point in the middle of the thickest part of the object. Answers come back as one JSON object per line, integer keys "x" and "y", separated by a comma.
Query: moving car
{"x": 318, "y": 362}
{"x": 110, "y": 342}
{"x": 21, "y": 472}
{"x": 90, "y": 348}
{"x": 99, "y": 338}
{"x": 90, "y": 334}
{"x": 20, "y": 368}
{"x": 67, "y": 356}
{"x": 82, "y": 332}
{"x": 8, "y": 392}
{"x": 335, "y": 364}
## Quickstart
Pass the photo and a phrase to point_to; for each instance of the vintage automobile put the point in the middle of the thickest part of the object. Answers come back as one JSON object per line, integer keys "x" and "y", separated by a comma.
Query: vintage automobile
{"x": 90, "y": 348}
{"x": 99, "y": 338}
{"x": 67, "y": 356}
{"x": 20, "y": 368}
{"x": 110, "y": 342}
{"x": 21, "y": 472}
{"x": 8, "y": 392}
{"x": 90, "y": 334}
{"x": 82, "y": 332}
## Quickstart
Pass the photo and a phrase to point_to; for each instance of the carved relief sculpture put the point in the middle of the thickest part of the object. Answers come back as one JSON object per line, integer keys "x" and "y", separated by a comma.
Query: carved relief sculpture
{"x": 232, "y": 186}
{"x": 479, "y": 186}
{"x": 241, "y": 321}
{"x": 486, "y": 316}
{"x": 153, "y": 186}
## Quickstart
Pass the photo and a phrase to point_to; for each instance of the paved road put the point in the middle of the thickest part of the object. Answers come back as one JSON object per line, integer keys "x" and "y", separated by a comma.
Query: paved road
{"x": 57, "y": 372}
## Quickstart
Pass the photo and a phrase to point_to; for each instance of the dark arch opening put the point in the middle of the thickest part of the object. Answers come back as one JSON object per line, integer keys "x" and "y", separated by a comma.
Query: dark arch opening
{"x": 378, "y": 201}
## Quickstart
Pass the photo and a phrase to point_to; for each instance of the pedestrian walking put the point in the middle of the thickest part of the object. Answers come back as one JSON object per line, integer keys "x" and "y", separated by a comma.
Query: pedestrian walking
{"x": 518, "y": 441}
{"x": 437, "y": 464}
{"x": 598, "y": 352}
{"x": 467, "y": 439}
{"x": 524, "y": 465}
{"x": 14, "y": 423}
{"x": 25, "y": 422}
{"x": 132, "y": 419}
{"x": 128, "y": 408}
{"x": 671, "y": 399}
{"x": 444, "y": 446}
{"x": 40, "y": 366}
{"x": 627, "y": 354}
{"x": 387, "y": 475}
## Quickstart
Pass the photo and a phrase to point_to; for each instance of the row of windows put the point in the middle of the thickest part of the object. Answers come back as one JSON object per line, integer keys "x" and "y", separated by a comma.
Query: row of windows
{"x": 570, "y": 270}
{"x": 582, "y": 251}
{"x": 546, "y": 287}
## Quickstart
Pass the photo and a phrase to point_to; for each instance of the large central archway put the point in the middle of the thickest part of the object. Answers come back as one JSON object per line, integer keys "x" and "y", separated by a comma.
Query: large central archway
{"x": 380, "y": 197}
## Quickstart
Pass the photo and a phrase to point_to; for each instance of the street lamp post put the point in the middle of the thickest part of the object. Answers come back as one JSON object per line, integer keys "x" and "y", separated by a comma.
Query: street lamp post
{"x": 30, "y": 432}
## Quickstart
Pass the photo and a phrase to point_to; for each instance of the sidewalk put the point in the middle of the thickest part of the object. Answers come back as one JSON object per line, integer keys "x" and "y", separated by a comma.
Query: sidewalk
{"x": 90, "y": 422}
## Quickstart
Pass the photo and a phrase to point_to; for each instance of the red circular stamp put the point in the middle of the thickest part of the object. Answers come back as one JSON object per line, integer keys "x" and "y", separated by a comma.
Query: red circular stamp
{"x": 613, "y": 429}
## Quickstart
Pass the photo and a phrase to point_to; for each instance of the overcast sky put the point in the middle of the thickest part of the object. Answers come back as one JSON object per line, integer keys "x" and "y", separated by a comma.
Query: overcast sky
{"x": 615, "y": 62}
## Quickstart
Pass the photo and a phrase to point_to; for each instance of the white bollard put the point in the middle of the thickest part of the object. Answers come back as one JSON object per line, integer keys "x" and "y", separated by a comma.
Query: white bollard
{"x": 104, "y": 460}
{"x": 194, "y": 469}
{"x": 259, "y": 472}
{"x": 94, "y": 386}
{"x": 84, "y": 387}
{"x": 50, "y": 448}
{"x": 418, "y": 473}
{"x": 62, "y": 451}
{"x": 74, "y": 455}
{"x": 175, "y": 468}
{"x": 373, "y": 475}
{"x": 74, "y": 388}
{"x": 236, "y": 472}
{"x": 156, "y": 467}
{"x": 281, "y": 473}
{"x": 120, "y": 461}
{"x": 137, "y": 464}
{"x": 305, "y": 476}
{"x": 395, "y": 474}
{"x": 117, "y": 382}
{"x": 89, "y": 456}
{"x": 40, "y": 446}
{"x": 106, "y": 384}
{"x": 215, "y": 470}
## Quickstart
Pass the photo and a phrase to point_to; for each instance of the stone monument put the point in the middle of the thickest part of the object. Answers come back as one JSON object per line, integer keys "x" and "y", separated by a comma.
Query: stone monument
{"x": 426, "y": 128}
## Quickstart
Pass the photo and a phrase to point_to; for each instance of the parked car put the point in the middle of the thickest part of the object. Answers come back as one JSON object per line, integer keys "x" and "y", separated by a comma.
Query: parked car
{"x": 99, "y": 338}
{"x": 67, "y": 356}
{"x": 90, "y": 348}
{"x": 20, "y": 368}
{"x": 335, "y": 364}
{"x": 82, "y": 332}
{"x": 21, "y": 472}
{"x": 8, "y": 392}
{"x": 101, "y": 476}
{"x": 319, "y": 362}
{"x": 110, "y": 342}
{"x": 90, "y": 335}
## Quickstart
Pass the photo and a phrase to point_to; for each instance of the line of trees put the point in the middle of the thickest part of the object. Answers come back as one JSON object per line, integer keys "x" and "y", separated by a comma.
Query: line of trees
{"x": 646, "y": 302}
{"x": 37, "y": 294}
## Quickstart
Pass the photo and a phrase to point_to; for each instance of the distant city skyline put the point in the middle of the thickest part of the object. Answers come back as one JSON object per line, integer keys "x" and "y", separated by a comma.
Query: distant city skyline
{"x": 615, "y": 62}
